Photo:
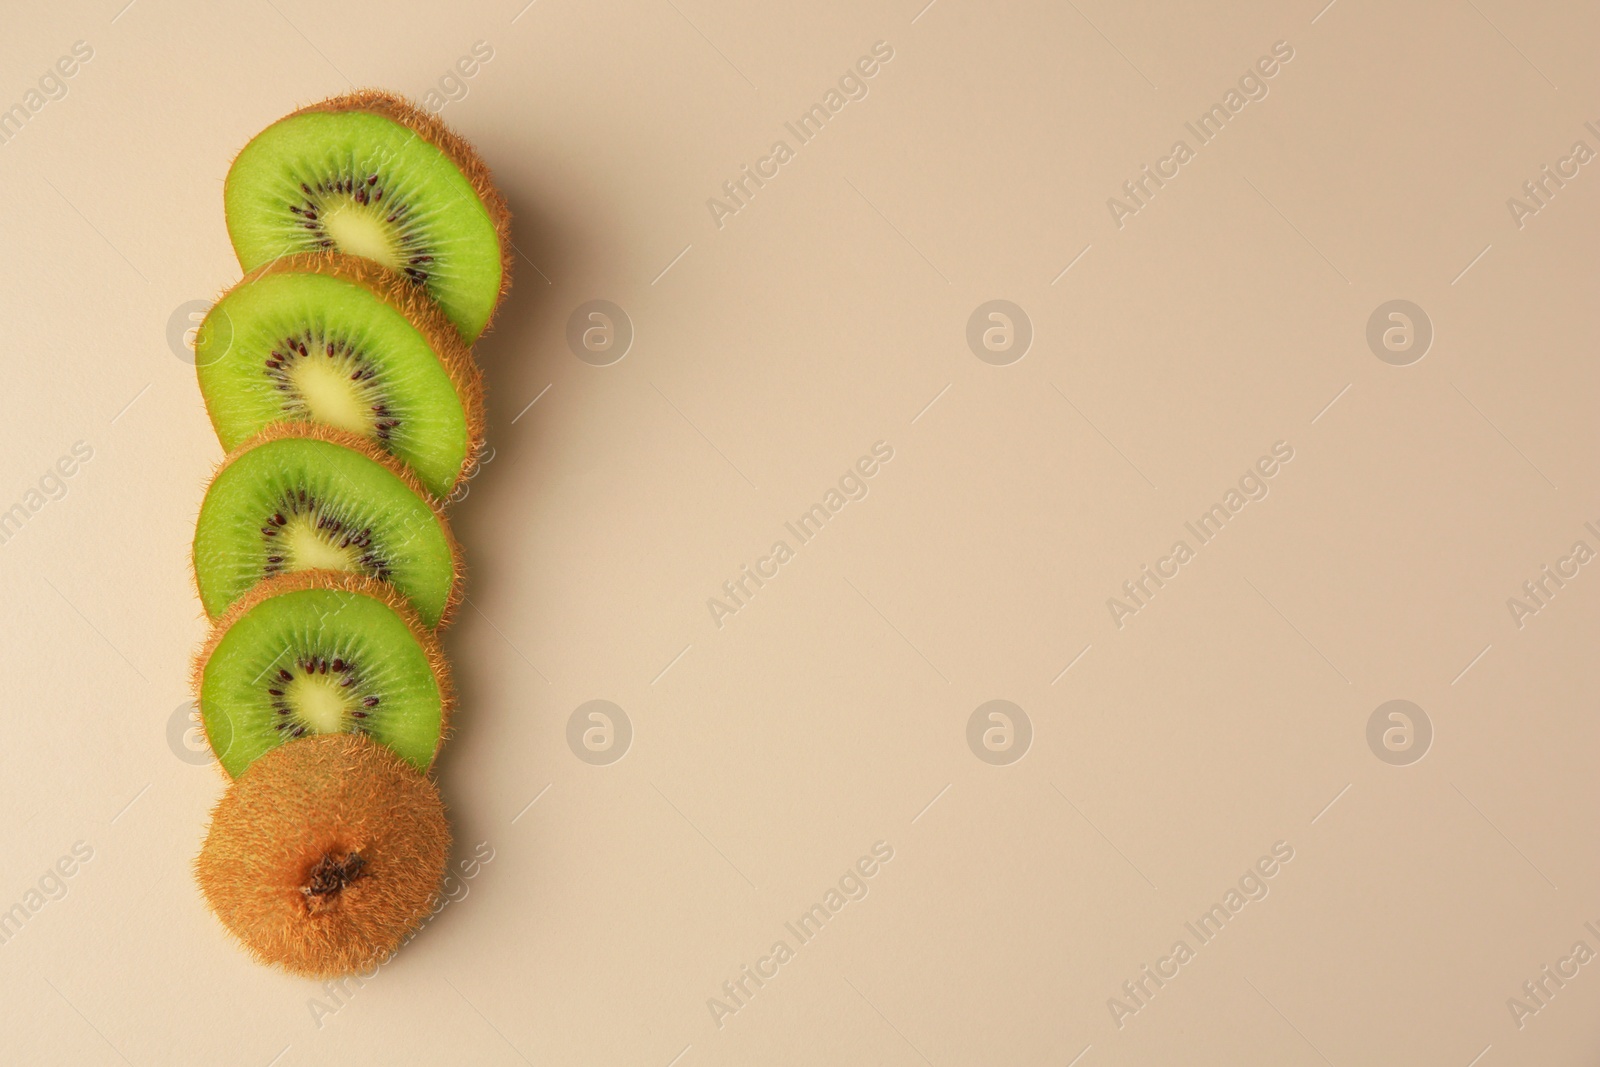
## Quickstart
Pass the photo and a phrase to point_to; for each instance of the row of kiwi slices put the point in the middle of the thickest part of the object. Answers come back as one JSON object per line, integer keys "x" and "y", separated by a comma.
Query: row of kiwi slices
{"x": 339, "y": 377}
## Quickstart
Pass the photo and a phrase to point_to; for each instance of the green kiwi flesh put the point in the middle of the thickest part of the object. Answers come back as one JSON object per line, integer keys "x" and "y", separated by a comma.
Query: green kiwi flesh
{"x": 367, "y": 185}
{"x": 315, "y": 653}
{"x": 288, "y": 503}
{"x": 322, "y": 344}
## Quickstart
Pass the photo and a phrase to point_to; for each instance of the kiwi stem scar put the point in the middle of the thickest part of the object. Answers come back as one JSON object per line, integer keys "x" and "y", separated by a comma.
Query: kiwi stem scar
{"x": 330, "y": 876}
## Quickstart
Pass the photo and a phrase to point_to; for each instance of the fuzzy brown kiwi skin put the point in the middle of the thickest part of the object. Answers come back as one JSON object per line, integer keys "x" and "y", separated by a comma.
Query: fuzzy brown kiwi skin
{"x": 456, "y": 148}
{"x": 418, "y": 308}
{"x": 340, "y": 581}
{"x": 336, "y": 800}
{"x": 316, "y": 431}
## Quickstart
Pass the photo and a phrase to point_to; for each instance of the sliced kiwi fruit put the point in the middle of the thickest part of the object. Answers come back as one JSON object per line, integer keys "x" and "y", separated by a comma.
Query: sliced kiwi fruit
{"x": 321, "y": 652}
{"x": 326, "y": 856}
{"x": 299, "y": 496}
{"x": 333, "y": 339}
{"x": 372, "y": 175}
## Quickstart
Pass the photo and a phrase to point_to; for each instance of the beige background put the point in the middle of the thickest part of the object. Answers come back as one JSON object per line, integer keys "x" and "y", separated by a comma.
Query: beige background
{"x": 831, "y": 712}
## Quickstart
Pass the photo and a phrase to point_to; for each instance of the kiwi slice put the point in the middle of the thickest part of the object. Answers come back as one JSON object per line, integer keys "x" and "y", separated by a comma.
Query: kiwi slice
{"x": 339, "y": 341}
{"x": 298, "y": 496}
{"x": 373, "y": 175}
{"x": 326, "y": 856}
{"x": 321, "y": 652}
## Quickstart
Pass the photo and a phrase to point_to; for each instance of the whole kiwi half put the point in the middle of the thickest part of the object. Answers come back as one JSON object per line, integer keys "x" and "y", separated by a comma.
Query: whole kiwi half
{"x": 325, "y": 855}
{"x": 373, "y": 175}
